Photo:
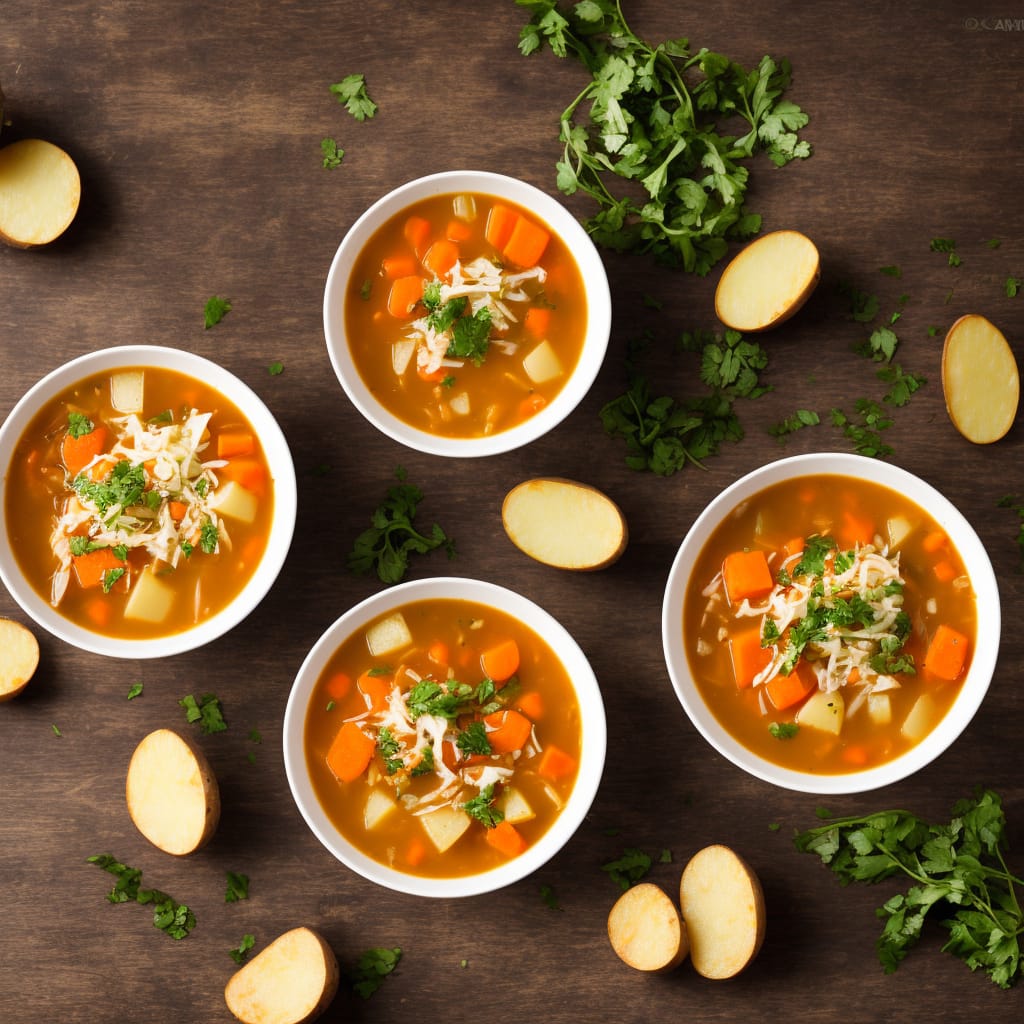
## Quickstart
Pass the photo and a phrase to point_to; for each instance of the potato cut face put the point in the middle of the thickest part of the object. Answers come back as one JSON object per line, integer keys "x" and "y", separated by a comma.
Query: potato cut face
{"x": 723, "y": 907}
{"x": 564, "y": 523}
{"x": 768, "y": 281}
{"x": 19, "y": 657}
{"x": 39, "y": 192}
{"x": 388, "y": 635}
{"x": 172, "y": 793}
{"x": 980, "y": 380}
{"x": 445, "y": 826}
{"x": 646, "y": 931}
{"x": 292, "y": 981}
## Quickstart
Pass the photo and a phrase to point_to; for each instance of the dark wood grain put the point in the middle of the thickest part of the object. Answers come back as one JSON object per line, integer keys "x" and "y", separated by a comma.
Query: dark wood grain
{"x": 197, "y": 129}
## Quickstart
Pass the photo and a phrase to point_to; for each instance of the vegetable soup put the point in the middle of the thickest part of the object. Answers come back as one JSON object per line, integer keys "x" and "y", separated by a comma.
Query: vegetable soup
{"x": 829, "y": 623}
{"x": 444, "y": 738}
{"x": 138, "y": 502}
{"x": 465, "y": 315}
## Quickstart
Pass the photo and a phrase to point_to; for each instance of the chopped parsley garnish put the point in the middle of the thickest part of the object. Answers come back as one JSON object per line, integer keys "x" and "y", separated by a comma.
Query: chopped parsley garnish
{"x": 79, "y": 424}
{"x": 783, "y": 730}
{"x": 901, "y": 385}
{"x": 110, "y": 577}
{"x": 208, "y": 537}
{"x": 473, "y": 740}
{"x": 241, "y": 952}
{"x": 482, "y": 808}
{"x": 628, "y": 869}
{"x": 333, "y": 154}
{"x": 948, "y": 246}
{"x": 372, "y": 968}
{"x": 123, "y": 488}
{"x": 441, "y": 701}
{"x": 800, "y": 419}
{"x": 275, "y": 368}
{"x": 1013, "y": 287}
{"x": 202, "y": 485}
{"x": 215, "y": 310}
{"x": 171, "y": 917}
{"x": 56, "y": 730}
{"x": 135, "y": 690}
{"x": 392, "y": 537}
{"x": 865, "y": 433}
{"x": 237, "y": 887}
{"x": 81, "y": 545}
{"x": 426, "y": 763}
{"x": 351, "y": 92}
{"x": 389, "y": 749}
{"x": 206, "y": 711}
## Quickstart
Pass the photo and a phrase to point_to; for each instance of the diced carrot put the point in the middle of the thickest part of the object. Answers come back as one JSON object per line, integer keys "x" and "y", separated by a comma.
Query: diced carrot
{"x": 748, "y": 656}
{"x": 944, "y": 570}
{"x": 91, "y": 568}
{"x": 458, "y": 230}
{"x": 537, "y": 321}
{"x": 531, "y": 405}
{"x": 438, "y": 652}
{"x": 234, "y": 442}
{"x": 555, "y": 763}
{"x": 746, "y": 574}
{"x": 247, "y": 473}
{"x": 395, "y": 267}
{"x": 501, "y": 661}
{"x": 404, "y": 296}
{"x": 853, "y": 676}
{"x": 338, "y": 686}
{"x": 350, "y": 752}
{"x": 526, "y": 244}
{"x": 532, "y": 705}
{"x": 433, "y": 376}
{"x": 946, "y": 653}
{"x": 78, "y": 452}
{"x": 855, "y": 754}
{"x": 177, "y": 510}
{"x": 507, "y": 731}
{"x": 500, "y": 222}
{"x": 794, "y": 546}
{"x": 449, "y": 755}
{"x": 417, "y": 233}
{"x": 506, "y": 839}
{"x": 785, "y": 691}
{"x": 441, "y": 257}
{"x": 856, "y": 530}
{"x": 934, "y": 541}
{"x": 98, "y": 612}
{"x": 376, "y": 689}
{"x": 415, "y": 852}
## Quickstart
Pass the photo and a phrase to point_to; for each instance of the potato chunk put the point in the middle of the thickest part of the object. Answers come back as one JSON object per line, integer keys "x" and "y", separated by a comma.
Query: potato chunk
{"x": 723, "y": 907}
{"x": 388, "y": 635}
{"x": 172, "y": 793}
{"x": 823, "y": 711}
{"x": 39, "y": 192}
{"x": 445, "y": 826}
{"x": 19, "y": 657}
{"x": 768, "y": 281}
{"x": 292, "y": 981}
{"x": 646, "y": 931}
{"x": 150, "y": 599}
{"x": 564, "y": 523}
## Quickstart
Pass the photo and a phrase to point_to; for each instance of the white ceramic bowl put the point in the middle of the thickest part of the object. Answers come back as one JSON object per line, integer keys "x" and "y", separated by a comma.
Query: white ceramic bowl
{"x": 591, "y": 712}
{"x": 558, "y": 218}
{"x": 278, "y": 457}
{"x": 983, "y": 661}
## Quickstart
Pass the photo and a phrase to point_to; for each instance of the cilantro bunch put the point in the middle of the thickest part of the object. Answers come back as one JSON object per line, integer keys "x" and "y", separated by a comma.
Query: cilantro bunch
{"x": 957, "y": 869}
{"x": 656, "y": 116}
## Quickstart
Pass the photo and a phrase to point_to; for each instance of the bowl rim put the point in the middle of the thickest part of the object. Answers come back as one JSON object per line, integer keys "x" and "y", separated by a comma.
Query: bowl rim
{"x": 592, "y": 720}
{"x": 972, "y": 691}
{"x": 278, "y": 457}
{"x": 556, "y": 216}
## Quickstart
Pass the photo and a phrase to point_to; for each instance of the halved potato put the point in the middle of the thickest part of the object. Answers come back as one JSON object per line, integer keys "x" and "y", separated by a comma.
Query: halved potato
{"x": 768, "y": 281}
{"x": 292, "y": 981}
{"x": 646, "y": 931}
{"x": 980, "y": 381}
{"x": 39, "y": 192}
{"x": 172, "y": 793}
{"x": 564, "y": 523}
{"x": 723, "y": 907}
{"x": 19, "y": 657}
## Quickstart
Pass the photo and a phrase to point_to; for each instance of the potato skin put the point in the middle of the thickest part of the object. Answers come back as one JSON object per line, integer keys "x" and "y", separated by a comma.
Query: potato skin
{"x": 19, "y": 658}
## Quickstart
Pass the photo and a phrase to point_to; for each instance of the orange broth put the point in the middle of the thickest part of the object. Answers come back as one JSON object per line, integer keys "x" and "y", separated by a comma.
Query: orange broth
{"x": 120, "y": 580}
{"x": 515, "y": 270}
{"x": 369, "y": 764}
{"x": 732, "y": 655}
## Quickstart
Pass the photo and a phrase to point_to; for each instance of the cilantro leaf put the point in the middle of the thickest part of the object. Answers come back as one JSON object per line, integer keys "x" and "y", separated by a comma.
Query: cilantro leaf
{"x": 948, "y": 246}
{"x": 482, "y": 808}
{"x": 215, "y": 310}
{"x": 351, "y": 92}
{"x": 79, "y": 425}
{"x": 628, "y": 869}
{"x": 473, "y": 740}
{"x": 206, "y": 711}
{"x": 332, "y": 153}
{"x": 372, "y": 968}
{"x": 865, "y": 432}
{"x": 390, "y": 750}
{"x": 135, "y": 691}
{"x": 237, "y": 887}
{"x": 800, "y": 419}
{"x": 241, "y": 952}
{"x": 901, "y": 385}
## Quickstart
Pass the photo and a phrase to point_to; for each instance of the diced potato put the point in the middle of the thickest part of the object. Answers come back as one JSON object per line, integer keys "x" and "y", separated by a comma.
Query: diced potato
{"x": 235, "y": 502}
{"x": 880, "y": 708}
{"x": 898, "y": 529}
{"x": 378, "y": 806}
{"x": 150, "y": 599}
{"x": 515, "y": 807}
{"x": 445, "y": 826}
{"x": 390, "y": 634}
{"x": 460, "y": 403}
{"x": 920, "y": 719}
{"x": 823, "y": 711}
{"x": 401, "y": 355}
{"x": 127, "y": 390}
{"x": 542, "y": 364}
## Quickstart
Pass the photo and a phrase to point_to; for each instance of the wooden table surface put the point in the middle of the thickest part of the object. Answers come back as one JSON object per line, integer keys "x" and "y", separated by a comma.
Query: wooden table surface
{"x": 197, "y": 131}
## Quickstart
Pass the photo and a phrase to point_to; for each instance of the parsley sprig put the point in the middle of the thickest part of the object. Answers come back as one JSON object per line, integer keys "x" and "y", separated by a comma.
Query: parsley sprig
{"x": 351, "y": 93}
{"x": 957, "y": 869}
{"x": 173, "y": 918}
{"x": 660, "y": 117}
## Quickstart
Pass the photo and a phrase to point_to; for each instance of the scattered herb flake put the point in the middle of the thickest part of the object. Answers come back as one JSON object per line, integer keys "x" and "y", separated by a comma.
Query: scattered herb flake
{"x": 56, "y": 730}
{"x": 994, "y": 243}
{"x": 783, "y": 730}
{"x": 800, "y": 419}
{"x": 275, "y": 368}
{"x": 372, "y": 968}
{"x": 1013, "y": 287}
{"x": 948, "y": 246}
{"x": 666, "y": 856}
{"x": 173, "y": 918}
{"x": 332, "y": 153}
{"x": 241, "y": 952}
{"x": 79, "y": 425}
{"x": 206, "y": 711}
{"x": 351, "y": 92}
{"x": 215, "y": 310}
{"x": 628, "y": 869}
{"x": 237, "y": 887}
{"x": 891, "y": 271}
{"x": 865, "y": 433}
{"x": 901, "y": 385}
{"x": 548, "y": 898}
{"x": 135, "y": 691}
